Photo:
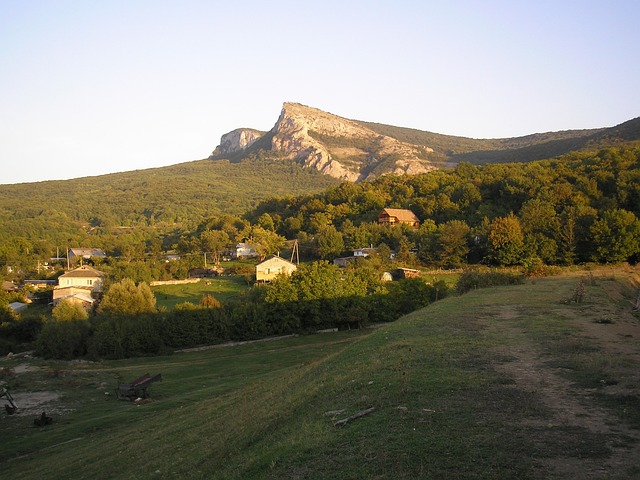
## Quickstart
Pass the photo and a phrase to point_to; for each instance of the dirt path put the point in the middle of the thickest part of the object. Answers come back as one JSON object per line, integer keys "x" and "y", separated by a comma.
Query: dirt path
{"x": 573, "y": 410}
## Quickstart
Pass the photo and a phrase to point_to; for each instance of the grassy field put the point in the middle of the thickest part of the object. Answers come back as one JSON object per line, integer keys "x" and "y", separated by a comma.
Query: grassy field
{"x": 511, "y": 383}
{"x": 222, "y": 288}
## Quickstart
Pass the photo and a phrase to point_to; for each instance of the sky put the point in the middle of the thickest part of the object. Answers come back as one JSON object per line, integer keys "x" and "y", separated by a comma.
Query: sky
{"x": 89, "y": 87}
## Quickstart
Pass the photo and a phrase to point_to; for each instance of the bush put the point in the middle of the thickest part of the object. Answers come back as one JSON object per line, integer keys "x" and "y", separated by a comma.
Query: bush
{"x": 63, "y": 340}
{"x": 473, "y": 279}
{"x": 25, "y": 329}
{"x": 192, "y": 327}
{"x": 122, "y": 337}
{"x": 409, "y": 295}
{"x": 68, "y": 310}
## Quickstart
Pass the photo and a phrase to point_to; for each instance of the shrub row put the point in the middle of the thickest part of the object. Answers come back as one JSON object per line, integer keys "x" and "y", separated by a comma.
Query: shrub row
{"x": 474, "y": 279}
{"x": 153, "y": 334}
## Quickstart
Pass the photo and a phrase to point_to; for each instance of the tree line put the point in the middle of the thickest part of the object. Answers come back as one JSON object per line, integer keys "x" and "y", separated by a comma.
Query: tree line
{"x": 582, "y": 207}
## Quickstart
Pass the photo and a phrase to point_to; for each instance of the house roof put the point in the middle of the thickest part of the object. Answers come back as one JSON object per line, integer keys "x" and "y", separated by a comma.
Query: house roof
{"x": 8, "y": 286}
{"x": 83, "y": 272}
{"x": 80, "y": 296}
{"x": 17, "y": 306}
{"x": 87, "y": 252}
{"x": 403, "y": 215}
{"x": 40, "y": 282}
{"x": 275, "y": 257}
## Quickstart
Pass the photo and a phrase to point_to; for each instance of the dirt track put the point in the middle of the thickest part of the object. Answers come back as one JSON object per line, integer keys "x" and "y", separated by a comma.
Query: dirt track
{"x": 612, "y": 332}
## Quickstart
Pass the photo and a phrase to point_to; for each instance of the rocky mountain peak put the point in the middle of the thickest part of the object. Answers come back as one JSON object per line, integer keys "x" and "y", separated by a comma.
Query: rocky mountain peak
{"x": 236, "y": 141}
{"x": 333, "y": 145}
{"x": 340, "y": 147}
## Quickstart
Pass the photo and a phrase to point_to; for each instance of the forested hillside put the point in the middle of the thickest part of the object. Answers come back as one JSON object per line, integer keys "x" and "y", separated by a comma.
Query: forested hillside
{"x": 538, "y": 146}
{"x": 154, "y": 203}
{"x": 577, "y": 208}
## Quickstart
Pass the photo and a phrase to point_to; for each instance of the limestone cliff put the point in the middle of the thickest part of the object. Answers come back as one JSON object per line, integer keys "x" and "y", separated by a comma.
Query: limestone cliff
{"x": 333, "y": 145}
{"x": 342, "y": 148}
{"x": 236, "y": 141}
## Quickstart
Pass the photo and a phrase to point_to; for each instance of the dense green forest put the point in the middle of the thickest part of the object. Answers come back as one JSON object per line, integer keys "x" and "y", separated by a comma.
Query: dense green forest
{"x": 581, "y": 207}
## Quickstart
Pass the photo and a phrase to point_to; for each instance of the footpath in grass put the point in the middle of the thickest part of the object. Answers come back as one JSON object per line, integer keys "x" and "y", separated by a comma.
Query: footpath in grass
{"x": 510, "y": 382}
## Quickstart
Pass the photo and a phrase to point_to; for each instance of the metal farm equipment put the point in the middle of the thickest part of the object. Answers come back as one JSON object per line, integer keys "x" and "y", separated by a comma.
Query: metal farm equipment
{"x": 11, "y": 407}
{"x": 137, "y": 388}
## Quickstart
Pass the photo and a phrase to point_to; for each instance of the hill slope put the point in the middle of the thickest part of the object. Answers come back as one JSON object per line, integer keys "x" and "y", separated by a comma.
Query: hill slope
{"x": 180, "y": 195}
{"x": 306, "y": 151}
{"x": 356, "y": 150}
{"x": 509, "y": 382}
{"x": 335, "y": 146}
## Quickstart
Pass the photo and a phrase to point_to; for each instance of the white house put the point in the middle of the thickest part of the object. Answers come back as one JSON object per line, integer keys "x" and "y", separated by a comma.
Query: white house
{"x": 84, "y": 277}
{"x": 272, "y": 267}
{"x": 78, "y": 285}
{"x": 245, "y": 250}
{"x": 363, "y": 252}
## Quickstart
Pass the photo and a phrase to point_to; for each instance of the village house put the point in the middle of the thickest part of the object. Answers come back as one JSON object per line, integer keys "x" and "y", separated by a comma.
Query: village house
{"x": 79, "y": 285}
{"x": 398, "y": 216}
{"x": 343, "y": 261}
{"x": 75, "y": 295}
{"x": 245, "y": 250}
{"x": 364, "y": 252}
{"x": 272, "y": 267}
{"x": 358, "y": 253}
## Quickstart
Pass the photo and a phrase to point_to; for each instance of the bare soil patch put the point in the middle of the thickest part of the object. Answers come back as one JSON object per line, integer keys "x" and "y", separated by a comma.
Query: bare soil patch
{"x": 34, "y": 403}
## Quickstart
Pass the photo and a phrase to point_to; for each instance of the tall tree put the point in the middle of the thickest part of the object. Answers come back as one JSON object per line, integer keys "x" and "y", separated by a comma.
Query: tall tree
{"x": 68, "y": 310}
{"x": 266, "y": 242}
{"x": 506, "y": 240}
{"x": 329, "y": 242}
{"x": 214, "y": 242}
{"x": 127, "y": 298}
{"x": 616, "y": 236}
{"x": 452, "y": 244}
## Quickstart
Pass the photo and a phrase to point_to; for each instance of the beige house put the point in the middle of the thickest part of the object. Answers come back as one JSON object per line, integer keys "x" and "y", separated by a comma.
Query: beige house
{"x": 272, "y": 267}
{"x": 398, "y": 216}
{"x": 79, "y": 284}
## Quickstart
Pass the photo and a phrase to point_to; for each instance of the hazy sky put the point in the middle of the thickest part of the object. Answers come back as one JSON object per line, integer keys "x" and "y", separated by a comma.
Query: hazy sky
{"x": 91, "y": 87}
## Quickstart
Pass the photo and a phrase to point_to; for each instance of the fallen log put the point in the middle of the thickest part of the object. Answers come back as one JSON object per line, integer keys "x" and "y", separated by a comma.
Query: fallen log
{"x": 362, "y": 413}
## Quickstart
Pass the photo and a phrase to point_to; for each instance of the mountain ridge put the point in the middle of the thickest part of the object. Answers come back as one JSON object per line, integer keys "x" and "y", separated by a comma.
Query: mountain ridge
{"x": 355, "y": 150}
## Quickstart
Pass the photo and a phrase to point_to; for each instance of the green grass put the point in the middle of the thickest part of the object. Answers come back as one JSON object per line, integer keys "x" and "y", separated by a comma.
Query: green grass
{"x": 221, "y": 288}
{"x": 267, "y": 410}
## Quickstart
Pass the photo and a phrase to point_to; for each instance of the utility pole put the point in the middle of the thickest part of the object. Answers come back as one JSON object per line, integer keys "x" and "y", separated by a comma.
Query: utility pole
{"x": 295, "y": 252}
